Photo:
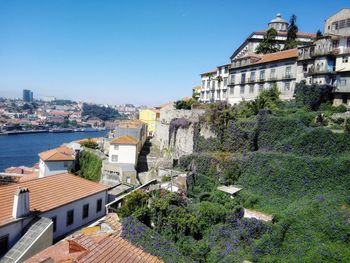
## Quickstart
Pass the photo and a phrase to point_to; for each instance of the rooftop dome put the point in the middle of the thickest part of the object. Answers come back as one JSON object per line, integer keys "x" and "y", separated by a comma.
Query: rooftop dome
{"x": 278, "y": 23}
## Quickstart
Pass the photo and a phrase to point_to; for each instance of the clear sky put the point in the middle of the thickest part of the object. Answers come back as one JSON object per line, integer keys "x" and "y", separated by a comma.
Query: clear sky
{"x": 124, "y": 51}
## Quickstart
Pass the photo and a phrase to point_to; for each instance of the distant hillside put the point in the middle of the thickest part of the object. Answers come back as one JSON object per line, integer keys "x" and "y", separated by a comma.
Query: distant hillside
{"x": 103, "y": 113}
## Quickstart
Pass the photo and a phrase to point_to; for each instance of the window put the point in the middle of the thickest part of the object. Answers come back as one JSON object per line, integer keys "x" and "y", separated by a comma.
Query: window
{"x": 232, "y": 79}
{"x": 345, "y": 59}
{"x": 251, "y": 89}
{"x": 114, "y": 158}
{"x": 203, "y": 83}
{"x": 252, "y": 76}
{"x": 343, "y": 83}
{"x": 242, "y": 90}
{"x": 70, "y": 217}
{"x": 85, "y": 211}
{"x": 304, "y": 67}
{"x": 348, "y": 42}
{"x": 261, "y": 87}
{"x": 99, "y": 205}
{"x": 273, "y": 73}
{"x": 225, "y": 82}
{"x": 128, "y": 180}
{"x": 226, "y": 70}
{"x": 65, "y": 164}
{"x": 54, "y": 221}
{"x": 243, "y": 78}
{"x": 231, "y": 90}
{"x": 335, "y": 43}
{"x": 262, "y": 74}
{"x": 4, "y": 244}
{"x": 287, "y": 86}
{"x": 288, "y": 71}
{"x": 116, "y": 147}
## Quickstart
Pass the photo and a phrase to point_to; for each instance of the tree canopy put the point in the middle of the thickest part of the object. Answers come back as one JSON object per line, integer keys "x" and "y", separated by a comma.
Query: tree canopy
{"x": 269, "y": 43}
{"x": 291, "y": 41}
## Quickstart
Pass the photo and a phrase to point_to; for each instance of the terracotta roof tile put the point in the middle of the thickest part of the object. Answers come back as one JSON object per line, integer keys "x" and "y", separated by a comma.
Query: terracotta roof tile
{"x": 290, "y": 53}
{"x": 47, "y": 193}
{"x": 61, "y": 153}
{"x": 125, "y": 139}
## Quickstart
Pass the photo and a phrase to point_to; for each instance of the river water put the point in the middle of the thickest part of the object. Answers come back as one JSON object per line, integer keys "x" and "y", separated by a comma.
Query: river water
{"x": 16, "y": 150}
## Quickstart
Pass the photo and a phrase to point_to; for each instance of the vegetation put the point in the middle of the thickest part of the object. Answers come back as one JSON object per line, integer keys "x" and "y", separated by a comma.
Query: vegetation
{"x": 269, "y": 44}
{"x": 89, "y": 166}
{"x": 89, "y": 144}
{"x": 103, "y": 113}
{"x": 290, "y": 163}
{"x": 291, "y": 41}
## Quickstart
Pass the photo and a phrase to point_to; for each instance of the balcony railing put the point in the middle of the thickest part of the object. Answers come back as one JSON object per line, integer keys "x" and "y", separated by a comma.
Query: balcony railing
{"x": 313, "y": 71}
{"x": 273, "y": 78}
{"x": 243, "y": 81}
{"x": 251, "y": 80}
{"x": 287, "y": 76}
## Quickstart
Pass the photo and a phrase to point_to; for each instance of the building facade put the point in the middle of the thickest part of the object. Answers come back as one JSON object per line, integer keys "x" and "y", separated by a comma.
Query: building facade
{"x": 56, "y": 161}
{"x": 214, "y": 84}
{"x": 149, "y": 116}
{"x": 249, "y": 73}
{"x": 68, "y": 200}
{"x": 252, "y": 74}
{"x": 124, "y": 150}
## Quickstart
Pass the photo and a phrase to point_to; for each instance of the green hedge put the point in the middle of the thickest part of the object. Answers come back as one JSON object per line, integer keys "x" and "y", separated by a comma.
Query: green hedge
{"x": 89, "y": 166}
{"x": 312, "y": 194}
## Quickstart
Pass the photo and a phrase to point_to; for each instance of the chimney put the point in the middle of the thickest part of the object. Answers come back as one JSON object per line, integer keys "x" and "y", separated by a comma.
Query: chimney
{"x": 20, "y": 203}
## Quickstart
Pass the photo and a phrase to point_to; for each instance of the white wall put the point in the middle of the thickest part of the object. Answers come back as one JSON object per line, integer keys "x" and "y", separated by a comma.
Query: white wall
{"x": 14, "y": 230}
{"x": 51, "y": 168}
{"x": 126, "y": 154}
{"x": 61, "y": 214}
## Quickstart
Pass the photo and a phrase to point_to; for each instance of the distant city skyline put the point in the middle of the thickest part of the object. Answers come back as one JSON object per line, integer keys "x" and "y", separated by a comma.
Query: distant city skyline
{"x": 141, "y": 52}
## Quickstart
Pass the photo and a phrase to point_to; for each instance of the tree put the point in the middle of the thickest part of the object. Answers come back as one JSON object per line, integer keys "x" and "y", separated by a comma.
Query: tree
{"x": 313, "y": 95}
{"x": 269, "y": 43}
{"x": 319, "y": 34}
{"x": 292, "y": 33}
{"x": 268, "y": 99}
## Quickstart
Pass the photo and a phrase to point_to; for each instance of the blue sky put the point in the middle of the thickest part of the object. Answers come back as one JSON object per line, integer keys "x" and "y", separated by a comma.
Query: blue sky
{"x": 141, "y": 52}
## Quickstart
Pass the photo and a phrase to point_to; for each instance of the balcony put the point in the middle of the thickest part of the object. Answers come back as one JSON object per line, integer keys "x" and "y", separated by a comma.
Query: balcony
{"x": 288, "y": 76}
{"x": 243, "y": 81}
{"x": 320, "y": 71}
{"x": 325, "y": 51}
{"x": 251, "y": 80}
{"x": 261, "y": 79}
{"x": 272, "y": 78}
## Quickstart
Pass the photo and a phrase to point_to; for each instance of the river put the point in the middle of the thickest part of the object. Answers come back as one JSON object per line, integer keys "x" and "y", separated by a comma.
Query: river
{"x": 16, "y": 150}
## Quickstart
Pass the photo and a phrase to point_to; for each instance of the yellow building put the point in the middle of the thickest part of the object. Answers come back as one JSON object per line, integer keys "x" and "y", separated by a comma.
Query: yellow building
{"x": 149, "y": 116}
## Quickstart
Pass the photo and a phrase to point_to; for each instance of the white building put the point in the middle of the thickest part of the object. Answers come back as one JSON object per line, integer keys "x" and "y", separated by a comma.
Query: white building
{"x": 214, "y": 84}
{"x": 56, "y": 161}
{"x": 250, "y": 75}
{"x": 68, "y": 200}
{"x": 124, "y": 149}
{"x": 326, "y": 61}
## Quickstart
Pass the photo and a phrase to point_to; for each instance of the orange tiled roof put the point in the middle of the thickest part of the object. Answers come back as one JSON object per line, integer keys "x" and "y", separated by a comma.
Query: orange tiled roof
{"x": 281, "y": 55}
{"x": 116, "y": 249}
{"x": 125, "y": 139}
{"x": 61, "y": 153}
{"x": 95, "y": 247}
{"x": 130, "y": 123}
{"x": 47, "y": 193}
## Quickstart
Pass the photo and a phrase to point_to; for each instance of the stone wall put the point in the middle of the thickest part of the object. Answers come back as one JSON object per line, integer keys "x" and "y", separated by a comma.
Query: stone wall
{"x": 183, "y": 143}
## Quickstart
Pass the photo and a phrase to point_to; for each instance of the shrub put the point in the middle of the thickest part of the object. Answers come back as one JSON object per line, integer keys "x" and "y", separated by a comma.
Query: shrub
{"x": 89, "y": 166}
{"x": 312, "y": 96}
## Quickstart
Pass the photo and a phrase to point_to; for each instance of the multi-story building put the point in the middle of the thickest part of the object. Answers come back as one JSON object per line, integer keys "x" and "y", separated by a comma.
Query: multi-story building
{"x": 66, "y": 201}
{"x": 327, "y": 60}
{"x": 27, "y": 95}
{"x": 149, "y": 116}
{"x": 214, "y": 84}
{"x": 250, "y": 75}
{"x": 56, "y": 161}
